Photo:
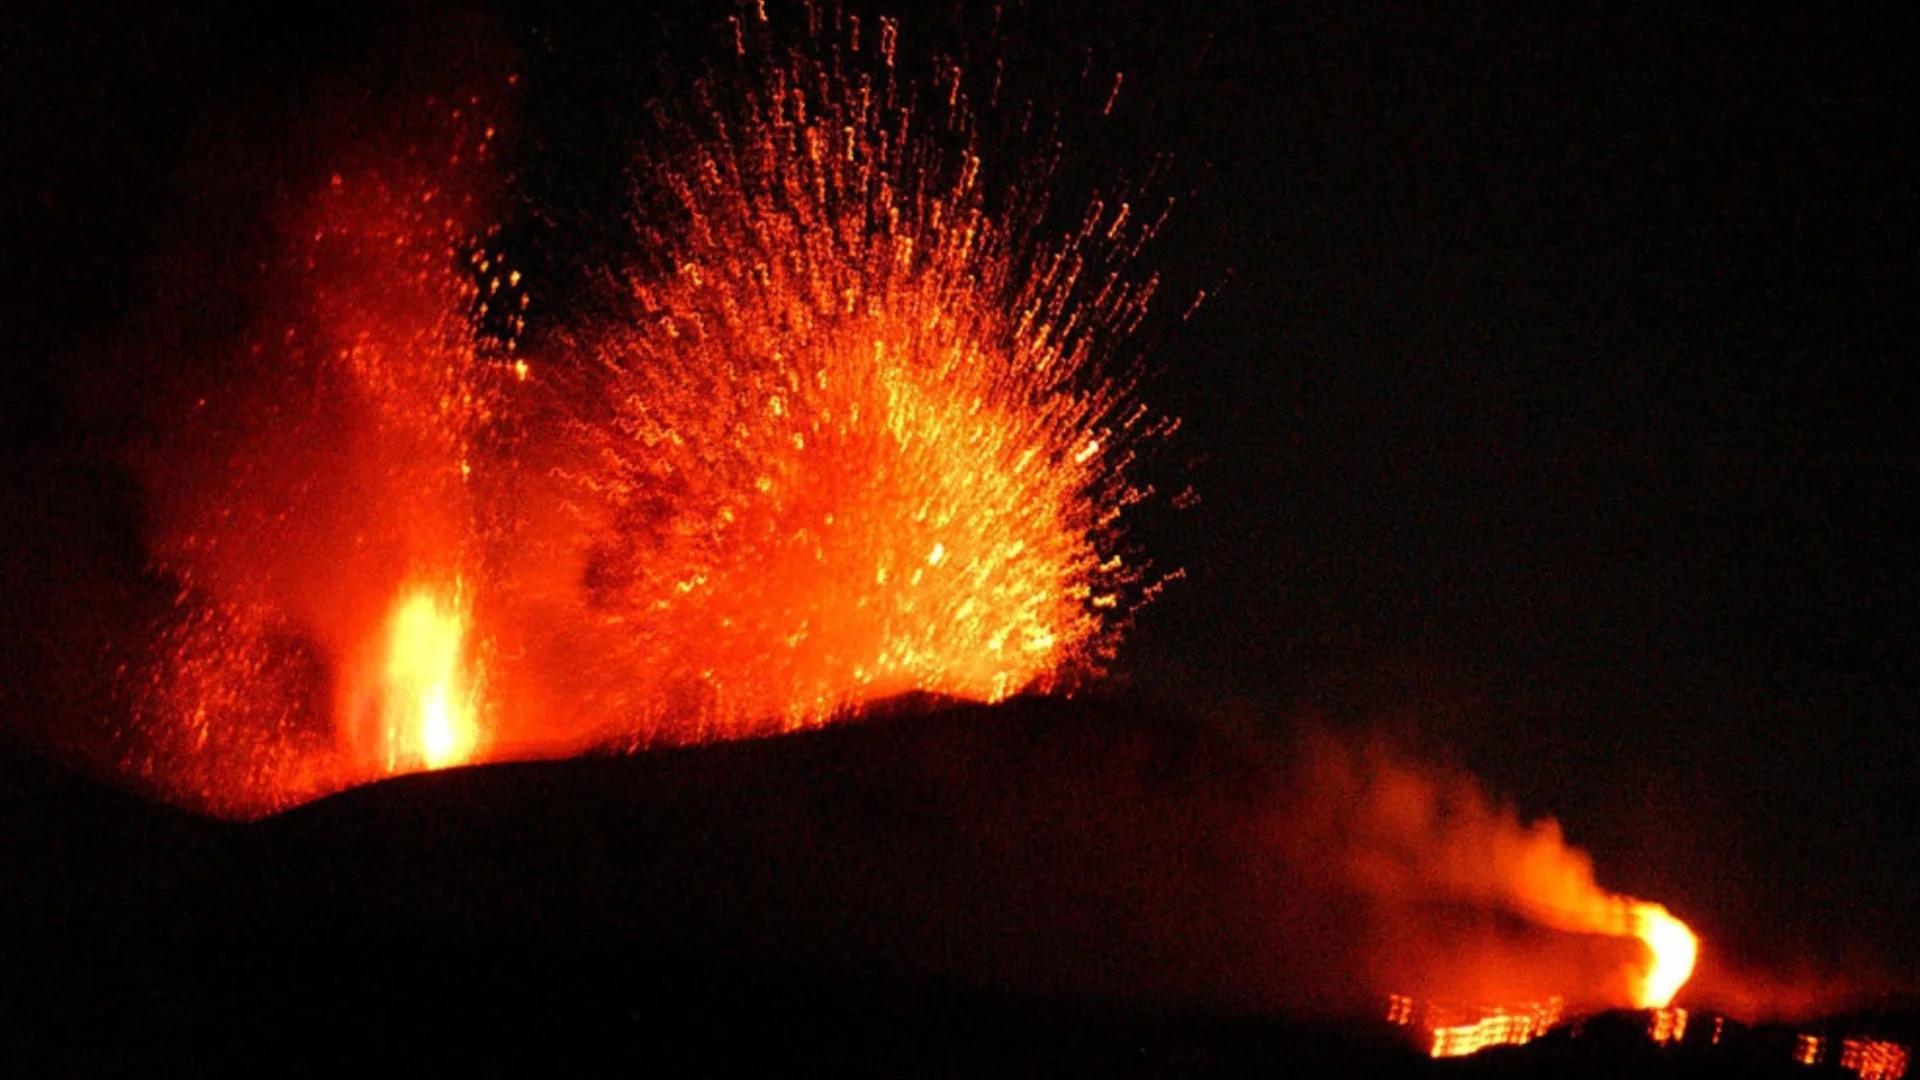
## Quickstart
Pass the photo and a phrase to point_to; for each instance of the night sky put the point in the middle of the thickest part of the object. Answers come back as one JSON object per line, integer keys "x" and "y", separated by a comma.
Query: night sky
{"x": 1545, "y": 407}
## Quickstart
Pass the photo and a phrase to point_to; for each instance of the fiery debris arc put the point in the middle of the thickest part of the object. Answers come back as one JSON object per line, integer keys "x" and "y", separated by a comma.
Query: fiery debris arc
{"x": 1417, "y": 837}
{"x": 1673, "y": 948}
{"x": 858, "y": 444}
{"x": 1459, "y": 1031}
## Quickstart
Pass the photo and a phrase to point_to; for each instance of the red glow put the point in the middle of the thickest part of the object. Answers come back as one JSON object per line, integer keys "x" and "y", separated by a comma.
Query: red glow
{"x": 842, "y": 439}
{"x": 1874, "y": 1059}
{"x": 1418, "y": 838}
{"x": 1669, "y": 1025}
{"x": 1457, "y": 1031}
{"x": 416, "y": 701}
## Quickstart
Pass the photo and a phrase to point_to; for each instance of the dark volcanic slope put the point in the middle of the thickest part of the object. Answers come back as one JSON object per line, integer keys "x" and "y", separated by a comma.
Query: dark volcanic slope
{"x": 1041, "y": 887}
{"x": 1049, "y": 846}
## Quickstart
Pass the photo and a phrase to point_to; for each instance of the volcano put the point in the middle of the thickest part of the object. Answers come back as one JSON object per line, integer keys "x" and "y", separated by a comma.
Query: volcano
{"x": 1070, "y": 538}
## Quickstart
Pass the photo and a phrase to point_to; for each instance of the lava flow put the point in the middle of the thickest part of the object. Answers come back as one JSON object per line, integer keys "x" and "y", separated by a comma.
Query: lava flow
{"x": 1425, "y": 845}
{"x": 1457, "y": 1031}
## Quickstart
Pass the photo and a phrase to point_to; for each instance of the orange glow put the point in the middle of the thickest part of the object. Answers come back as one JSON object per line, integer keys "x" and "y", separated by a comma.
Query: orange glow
{"x": 842, "y": 434}
{"x": 1808, "y": 1048}
{"x": 427, "y": 701}
{"x": 1413, "y": 835}
{"x": 322, "y": 508}
{"x": 858, "y": 446}
{"x": 1669, "y": 1025}
{"x": 1671, "y": 947}
{"x": 1874, "y": 1059}
{"x": 1674, "y": 949}
{"x": 1457, "y": 1032}
{"x": 1553, "y": 886}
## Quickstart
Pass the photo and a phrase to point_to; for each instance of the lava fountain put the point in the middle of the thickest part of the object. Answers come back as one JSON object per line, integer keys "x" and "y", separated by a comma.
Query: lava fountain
{"x": 318, "y": 510}
{"x": 423, "y": 709}
{"x": 855, "y": 439}
{"x": 844, "y": 431}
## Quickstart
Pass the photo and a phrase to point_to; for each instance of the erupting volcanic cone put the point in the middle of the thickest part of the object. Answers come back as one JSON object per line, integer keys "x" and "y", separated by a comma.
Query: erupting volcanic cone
{"x": 844, "y": 436}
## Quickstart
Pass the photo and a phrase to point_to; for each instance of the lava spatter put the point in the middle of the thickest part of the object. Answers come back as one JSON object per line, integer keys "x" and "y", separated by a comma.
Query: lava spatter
{"x": 861, "y": 442}
{"x": 846, "y": 433}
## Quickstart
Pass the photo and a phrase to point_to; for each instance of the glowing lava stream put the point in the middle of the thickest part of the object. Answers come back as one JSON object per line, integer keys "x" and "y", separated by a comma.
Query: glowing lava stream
{"x": 1672, "y": 948}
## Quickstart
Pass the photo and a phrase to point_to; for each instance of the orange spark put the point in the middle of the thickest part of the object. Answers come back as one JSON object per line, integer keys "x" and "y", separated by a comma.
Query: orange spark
{"x": 1669, "y": 1025}
{"x": 1874, "y": 1059}
{"x": 859, "y": 445}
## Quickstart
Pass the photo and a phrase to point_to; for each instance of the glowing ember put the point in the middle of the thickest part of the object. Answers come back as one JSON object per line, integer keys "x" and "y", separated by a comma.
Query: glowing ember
{"x": 1874, "y": 1059}
{"x": 1808, "y": 1049}
{"x": 1454, "y": 1031}
{"x": 1669, "y": 1025}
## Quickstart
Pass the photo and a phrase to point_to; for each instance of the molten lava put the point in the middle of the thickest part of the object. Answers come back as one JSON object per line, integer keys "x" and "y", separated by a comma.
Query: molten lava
{"x": 1874, "y": 1059}
{"x": 1669, "y": 1025}
{"x": 1457, "y": 1032}
{"x": 1419, "y": 841}
{"x": 842, "y": 434}
{"x": 425, "y": 703}
{"x": 1673, "y": 948}
{"x": 857, "y": 444}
